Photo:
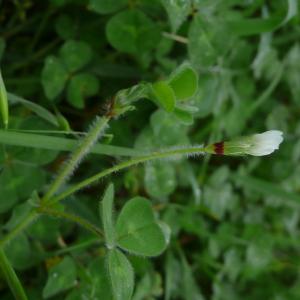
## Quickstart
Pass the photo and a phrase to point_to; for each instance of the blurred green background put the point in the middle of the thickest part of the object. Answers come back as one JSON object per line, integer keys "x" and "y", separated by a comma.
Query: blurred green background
{"x": 234, "y": 220}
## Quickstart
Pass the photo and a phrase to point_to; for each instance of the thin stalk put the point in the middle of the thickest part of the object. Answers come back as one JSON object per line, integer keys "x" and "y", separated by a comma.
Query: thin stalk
{"x": 19, "y": 228}
{"x": 76, "y": 247}
{"x": 11, "y": 277}
{"x": 82, "y": 222}
{"x": 189, "y": 151}
{"x": 175, "y": 37}
{"x": 77, "y": 156}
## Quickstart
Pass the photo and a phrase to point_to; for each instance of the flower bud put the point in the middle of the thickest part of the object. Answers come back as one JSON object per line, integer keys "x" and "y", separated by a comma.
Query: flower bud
{"x": 257, "y": 144}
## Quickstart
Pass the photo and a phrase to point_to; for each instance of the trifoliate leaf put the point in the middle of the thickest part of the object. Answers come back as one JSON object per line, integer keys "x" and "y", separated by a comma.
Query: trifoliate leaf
{"x": 137, "y": 230}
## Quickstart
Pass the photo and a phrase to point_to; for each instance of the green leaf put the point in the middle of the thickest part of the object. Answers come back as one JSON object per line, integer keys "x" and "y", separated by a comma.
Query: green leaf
{"x": 75, "y": 54}
{"x": 8, "y": 192}
{"x": 258, "y": 256}
{"x": 167, "y": 130}
{"x": 245, "y": 27}
{"x": 19, "y": 214}
{"x": 173, "y": 276}
{"x": 133, "y": 94}
{"x": 19, "y": 252}
{"x": 178, "y": 11}
{"x": 190, "y": 288}
{"x": 80, "y": 87}
{"x": 106, "y": 6}
{"x": 268, "y": 188}
{"x": 60, "y": 278}
{"x": 232, "y": 264}
{"x": 42, "y": 141}
{"x": 106, "y": 214}
{"x": 65, "y": 27}
{"x": 131, "y": 31}
{"x": 94, "y": 282}
{"x": 149, "y": 287}
{"x": 184, "y": 82}
{"x": 100, "y": 279}
{"x": 160, "y": 179}
{"x": 32, "y": 156}
{"x": 121, "y": 275}
{"x": 200, "y": 47}
{"x": 45, "y": 229}
{"x": 209, "y": 38}
{"x": 37, "y": 109}
{"x": 164, "y": 95}
{"x": 54, "y": 77}
{"x": 18, "y": 182}
{"x": 291, "y": 71}
{"x": 184, "y": 115}
{"x": 137, "y": 230}
{"x": 3, "y": 103}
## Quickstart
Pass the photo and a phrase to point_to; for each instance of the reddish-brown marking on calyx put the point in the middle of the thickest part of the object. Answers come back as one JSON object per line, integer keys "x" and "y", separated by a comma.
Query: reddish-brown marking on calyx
{"x": 219, "y": 148}
{"x": 109, "y": 108}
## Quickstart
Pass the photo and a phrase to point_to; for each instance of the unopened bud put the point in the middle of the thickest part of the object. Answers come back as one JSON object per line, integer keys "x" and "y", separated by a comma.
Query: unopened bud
{"x": 257, "y": 144}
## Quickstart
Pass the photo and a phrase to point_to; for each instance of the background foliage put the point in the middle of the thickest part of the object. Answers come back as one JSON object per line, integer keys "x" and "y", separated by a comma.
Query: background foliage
{"x": 234, "y": 221}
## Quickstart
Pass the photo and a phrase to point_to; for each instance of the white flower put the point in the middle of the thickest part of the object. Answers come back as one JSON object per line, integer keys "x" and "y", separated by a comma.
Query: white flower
{"x": 264, "y": 143}
{"x": 257, "y": 144}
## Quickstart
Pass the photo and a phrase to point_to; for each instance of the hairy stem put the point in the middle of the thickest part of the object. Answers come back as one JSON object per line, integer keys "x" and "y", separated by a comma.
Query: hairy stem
{"x": 77, "y": 156}
{"x": 192, "y": 150}
{"x": 75, "y": 159}
{"x": 79, "y": 246}
{"x": 123, "y": 165}
{"x": 66, "y": 171}
{"x": 11, "y": 277}
{"x": 82, "y": 222}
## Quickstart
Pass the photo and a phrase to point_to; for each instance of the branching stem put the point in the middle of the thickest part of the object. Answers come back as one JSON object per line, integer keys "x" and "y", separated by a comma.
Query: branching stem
{"x": 77, "y": 156}
{"x": 19, "y": 228}
{"x": 188, "y": 151}
{"x": 68, "y": 216}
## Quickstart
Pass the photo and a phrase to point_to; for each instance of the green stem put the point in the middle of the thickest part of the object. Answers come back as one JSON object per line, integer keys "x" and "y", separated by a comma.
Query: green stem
{"x": 189, "y": 151}
{"x": 176, "y": 37}
{"x": 76, "y": 247}
{"x": 75, "y": 159}
{"x": 77, "y": 156}
{"x": 156, "y": 155}
{"x": 82, "y": 222}
{"x": 11, "y": 277}
{"x": 19, "y": 228}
